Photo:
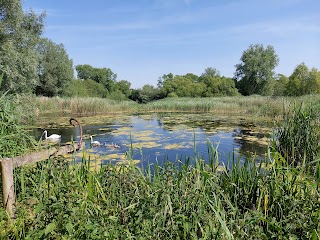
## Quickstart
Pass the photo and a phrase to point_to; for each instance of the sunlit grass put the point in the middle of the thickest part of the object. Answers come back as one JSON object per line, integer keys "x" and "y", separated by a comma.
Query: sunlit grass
{"x": 258, "y": 106}
{"x": 183, "y": 199}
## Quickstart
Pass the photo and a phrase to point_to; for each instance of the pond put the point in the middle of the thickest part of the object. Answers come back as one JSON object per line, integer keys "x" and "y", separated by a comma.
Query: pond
{"x": 156, "y": 138}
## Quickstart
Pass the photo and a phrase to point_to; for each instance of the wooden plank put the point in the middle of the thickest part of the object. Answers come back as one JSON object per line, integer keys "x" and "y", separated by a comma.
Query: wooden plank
{"x": 40, "y": 156}
{"x": 7, "y": 165}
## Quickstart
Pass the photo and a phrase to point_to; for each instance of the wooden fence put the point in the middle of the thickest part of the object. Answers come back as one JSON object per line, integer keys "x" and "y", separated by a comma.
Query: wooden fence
{"x": 8, "y": 164}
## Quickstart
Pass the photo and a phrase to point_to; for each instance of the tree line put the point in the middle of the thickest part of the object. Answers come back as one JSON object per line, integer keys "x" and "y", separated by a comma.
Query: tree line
{"x": 32, "y": 64}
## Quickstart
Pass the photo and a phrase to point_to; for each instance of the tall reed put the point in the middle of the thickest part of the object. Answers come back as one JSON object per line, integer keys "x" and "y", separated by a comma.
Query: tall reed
{"x": 297, "y": 137}
{"x": 186, "y": 199}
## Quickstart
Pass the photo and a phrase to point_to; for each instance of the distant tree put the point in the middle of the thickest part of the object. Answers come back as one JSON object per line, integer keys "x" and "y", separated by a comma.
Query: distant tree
{"x": 256, "y": 69}
{"x": 103, "y": 76}
{"x": 303, "y": 81}
{"x": 164, "y": 78}
{"x": 313, "y": 85}
{"x": 182, "y": 85}
{"x": 19, "y": 34}
{"x": 124, "y": 87}
{"x": 136, "y": 95}
{"x": 146, "y": 94}
{"x": 280, "y": 85}
{"x": 85, "y": 88}
{"x": 210, "y": 72}
{"x": 216, "y": 85}
{"x": 188, "y": 86}
{"x": 55, "y": 69}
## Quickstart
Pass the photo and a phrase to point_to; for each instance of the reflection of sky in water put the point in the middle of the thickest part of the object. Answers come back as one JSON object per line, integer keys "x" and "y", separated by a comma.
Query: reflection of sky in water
{"x": 153, "y": 141}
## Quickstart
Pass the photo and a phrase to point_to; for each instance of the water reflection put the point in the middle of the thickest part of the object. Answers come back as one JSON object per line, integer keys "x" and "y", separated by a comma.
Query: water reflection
{"x": 156, "y": 138}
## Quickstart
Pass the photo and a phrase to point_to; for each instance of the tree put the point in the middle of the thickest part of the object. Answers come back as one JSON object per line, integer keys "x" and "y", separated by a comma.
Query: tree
{"x": 55, "y": 69}
{"x": 19, "y": 34}
{"x": 210, "y": 72}
{"x": 124, "y": 87}
{"x": 85, "y": 88}
{"x": 103, "y": 76}
{"x": 216, "y": 85}
{"x": 280, "y": 85}
{"x": 256, "y": 69}
{"x": 303, "y": 81}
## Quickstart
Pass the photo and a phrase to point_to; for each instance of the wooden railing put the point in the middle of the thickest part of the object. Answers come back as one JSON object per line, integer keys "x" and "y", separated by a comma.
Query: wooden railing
{"x": 8, "y": 164}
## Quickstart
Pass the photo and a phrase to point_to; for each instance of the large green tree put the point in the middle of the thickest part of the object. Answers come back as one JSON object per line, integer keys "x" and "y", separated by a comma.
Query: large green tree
{"x": 217, "y": 85}
{"x": 280, "y": 85}
{"x": 19, "y": 33}
{"x": 256, "y": 70}
{"x": 103, "y": 76}
{"x": 55, "y": 69}
{"x": 123, "y": 87}
{"x": 303, "y": 81}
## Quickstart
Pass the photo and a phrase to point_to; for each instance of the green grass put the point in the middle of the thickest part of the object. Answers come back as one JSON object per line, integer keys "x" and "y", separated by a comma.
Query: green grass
{"x": 14, "y": 140}
{"x": 56, "y": 106}
{"x": 256, "y": 106}
{"x": 59, "y": 200}
{"x": 183, "y": 199}
{"x": 297, "y": 137}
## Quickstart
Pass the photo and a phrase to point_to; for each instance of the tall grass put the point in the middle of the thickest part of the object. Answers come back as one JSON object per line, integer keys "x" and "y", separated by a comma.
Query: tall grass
{"x": 177, "y": 200}
{"x": 14, "y": 140}
{"x": 297, "y": 137}
{"x": 44, "y": 106}
{"x": 269, "y": 107}
{"x": 264, "y": 106}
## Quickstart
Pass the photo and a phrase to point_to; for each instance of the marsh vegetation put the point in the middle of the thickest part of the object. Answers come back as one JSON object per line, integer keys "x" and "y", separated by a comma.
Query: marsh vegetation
{"x": 182, "y": 199}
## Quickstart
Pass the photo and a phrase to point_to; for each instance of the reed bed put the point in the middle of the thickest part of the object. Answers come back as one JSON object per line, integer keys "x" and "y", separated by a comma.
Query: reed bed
{"x": 44, "y": 106}
{"x": 238, "y": 105}
{"x": 263, "y": 106}
{"x": 297, "y": 137}
{"x": 184, "y": 199}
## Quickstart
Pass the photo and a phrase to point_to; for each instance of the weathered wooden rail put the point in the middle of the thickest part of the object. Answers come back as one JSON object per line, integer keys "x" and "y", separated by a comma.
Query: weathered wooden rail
{"x": 8, "y": 164}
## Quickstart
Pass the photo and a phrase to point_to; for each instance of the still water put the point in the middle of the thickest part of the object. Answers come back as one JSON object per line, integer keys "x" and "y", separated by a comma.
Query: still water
{"x": 160, "y": 137}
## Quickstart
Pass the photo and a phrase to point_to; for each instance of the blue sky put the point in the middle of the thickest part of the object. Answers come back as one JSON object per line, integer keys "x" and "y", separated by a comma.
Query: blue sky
{"x": 141, "y": 40}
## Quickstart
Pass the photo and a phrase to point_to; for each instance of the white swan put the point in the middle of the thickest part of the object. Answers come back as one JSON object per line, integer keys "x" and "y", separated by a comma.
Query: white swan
{"x": 114, "y": 145}
{"x": 52, "y": 137}
{"x": 94, "y": 143}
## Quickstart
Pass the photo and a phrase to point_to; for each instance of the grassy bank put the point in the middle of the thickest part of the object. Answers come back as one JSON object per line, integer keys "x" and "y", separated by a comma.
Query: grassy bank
{"x": 252, "y": 105}
{"x": 57, "y": 200}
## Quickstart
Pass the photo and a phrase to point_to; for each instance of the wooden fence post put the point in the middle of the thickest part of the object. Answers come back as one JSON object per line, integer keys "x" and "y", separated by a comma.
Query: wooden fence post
{"x": 8, "y": 187}
{"x": 7, "y": 165}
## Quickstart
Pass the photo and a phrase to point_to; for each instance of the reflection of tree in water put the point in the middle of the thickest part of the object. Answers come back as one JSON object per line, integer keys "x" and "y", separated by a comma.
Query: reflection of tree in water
{"x": 249, "y": 147}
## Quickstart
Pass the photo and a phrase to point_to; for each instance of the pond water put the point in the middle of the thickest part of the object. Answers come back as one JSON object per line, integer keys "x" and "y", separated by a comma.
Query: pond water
{"x": 160, "y": 137}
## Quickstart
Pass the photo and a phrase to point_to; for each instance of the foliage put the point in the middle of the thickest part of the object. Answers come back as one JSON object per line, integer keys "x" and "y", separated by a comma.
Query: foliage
{"x": 297, "y": 138}
{"x": 55, "y": 69}
{"x": 146, "y": 94}
{"x": 209, "y": 84}
{"x": 280, "y": 85}
{"x": 14, "y": 140}
{"x": 85, "y": 88}
{"x": 124, "y": 87}
{"x": 103, "y": 76}
{"x": 217, "y": 85}
{"x": 186, "y": 199}
{"x": 256, "y": 70}
{"x": 19, "y": 34}
{"x": 303, "y": 81}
